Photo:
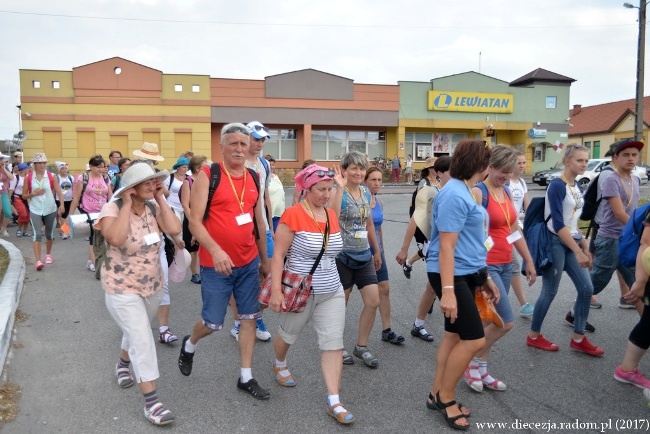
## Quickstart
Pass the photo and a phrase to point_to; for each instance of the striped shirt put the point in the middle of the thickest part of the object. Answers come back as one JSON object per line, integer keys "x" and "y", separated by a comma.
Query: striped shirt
{"x": 306, "y": 245}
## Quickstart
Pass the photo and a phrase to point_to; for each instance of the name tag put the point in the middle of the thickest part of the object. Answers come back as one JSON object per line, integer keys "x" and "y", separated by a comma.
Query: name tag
{"x": 152, "y": 238}
{"x": 243, "y": 219}
{"x": 488, "y": 243}
{"x": 361, "y": 234}
{"x": 513, "y": 237}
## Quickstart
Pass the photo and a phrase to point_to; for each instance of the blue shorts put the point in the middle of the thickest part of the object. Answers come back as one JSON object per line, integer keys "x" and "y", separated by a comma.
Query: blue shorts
{"x": 269, "y": 244}
{"x": 216, "y": 289}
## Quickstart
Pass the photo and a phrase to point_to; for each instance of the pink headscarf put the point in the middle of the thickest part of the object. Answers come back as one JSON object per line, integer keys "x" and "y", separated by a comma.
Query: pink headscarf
{"x": 307, "y": 177}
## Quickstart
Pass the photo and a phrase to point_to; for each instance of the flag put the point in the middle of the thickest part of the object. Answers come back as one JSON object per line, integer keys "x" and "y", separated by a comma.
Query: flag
{"x": 558, "y": 146}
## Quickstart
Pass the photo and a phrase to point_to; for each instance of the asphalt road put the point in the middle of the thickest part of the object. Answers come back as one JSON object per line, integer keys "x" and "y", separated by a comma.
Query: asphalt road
{"x": 67, "y": 350}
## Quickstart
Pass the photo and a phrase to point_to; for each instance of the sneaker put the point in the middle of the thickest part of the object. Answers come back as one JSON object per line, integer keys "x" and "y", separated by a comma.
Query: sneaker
{"x": 586, "y": 347}
{"x": 19, "y": 233}
{"x": 594, "y": 304}
{"x": 48, "y": 259}
{"x": 39, "y": 265}
{"x": 124, "y": 377}
{"x": 234, "y": 331}
{"x": 5, "y": 233}
{"x": 541, "y": 343}
{"x": 569, "y": 320}
{"x": 261, "y": 332}
{"x": 422, "y": 333}
{"x": 185, "y": 360}
{"x": 625, "y": 304}
{"x": 167, "y": 337}
{"x": 253, "y": 389}
{"x": 368, "y": 359}
{"x": 196, "y": 278}
{"x": 27, "y": 234}
{"x": 526, "y": 310}
{"x": 407, "y": 270}
{"x": 90, "y": 266}
{"x": 65, "y": 236}
{"x": 347, "y": 358}
{"x": 632, "y": 377}
{"x": 158, "y": 414}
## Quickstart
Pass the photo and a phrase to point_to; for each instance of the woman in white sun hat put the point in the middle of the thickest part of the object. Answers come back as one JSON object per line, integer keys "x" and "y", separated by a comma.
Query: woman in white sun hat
{"x": 132, "y": 276}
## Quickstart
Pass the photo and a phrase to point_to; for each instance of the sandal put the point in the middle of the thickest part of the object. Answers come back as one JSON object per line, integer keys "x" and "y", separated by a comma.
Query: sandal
{"x": 451, "y": 420}
{"x": 347, "y": 358}
{"x": 368, "y": 359}
{"x": 343, "y": 417}
{"x": 287, "y": 381}
{"x": 158, "y": 415}
{"x": 124, "y": 378}
{"x": 390, "y": 336}
{"x": 474, "y": 383}
{"x": 167, "y": 337}
{"x": 433, "y": 405}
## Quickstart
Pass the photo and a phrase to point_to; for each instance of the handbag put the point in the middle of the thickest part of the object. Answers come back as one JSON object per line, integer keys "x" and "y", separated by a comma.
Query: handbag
{"x": 486, "y": 309}
{"x": 296, "y": 288}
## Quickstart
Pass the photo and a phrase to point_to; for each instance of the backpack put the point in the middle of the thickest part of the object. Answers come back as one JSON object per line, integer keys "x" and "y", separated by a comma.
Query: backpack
{"x": 486, "y": 196}
{"x": 100, "y": 243}
{"x": 630, "y": 240}
{"x": 85, "y": 178}
{"x": 180, "y": 190}
{"x": 215, "y": 178}
{"x": 28, "y": 180}
{"x": 420, "y": 238}
{"x": 537, "y": 236}
{"x": 591, "y": 199}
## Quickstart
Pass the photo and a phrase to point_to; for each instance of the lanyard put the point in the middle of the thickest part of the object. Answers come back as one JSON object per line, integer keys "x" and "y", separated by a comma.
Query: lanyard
{"x": 505, "y": 212}
{"x": 313, "y": 216}
{"x": 363, "y": 211}
{"x": 627, "y": 193}
{"x": 576, "y": 195}
{"x": 240, "y": 201}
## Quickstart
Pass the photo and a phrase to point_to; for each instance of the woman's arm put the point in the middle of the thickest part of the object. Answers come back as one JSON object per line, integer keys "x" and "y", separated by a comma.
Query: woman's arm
{"x": 448, "y": 303}
{"x": 76, "y": 196}
{"x": 522, "y": 248}
{"x": 402, "y": 255}
{"x": 185, "y": 198}
{"x": 116, "y": 229}
{"x": 283, "y": 240}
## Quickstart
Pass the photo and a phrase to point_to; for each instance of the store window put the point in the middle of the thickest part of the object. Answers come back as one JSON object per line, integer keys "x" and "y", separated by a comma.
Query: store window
{"x": 282, "y": 145}
{"x": 425, "y": 145}
{"x": 332, "y": 144}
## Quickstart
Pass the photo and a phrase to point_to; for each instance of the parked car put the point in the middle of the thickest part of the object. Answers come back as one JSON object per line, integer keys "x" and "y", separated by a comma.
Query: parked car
{"x": 594, "y": 167}
{"x": 540, "y": 178}
{"x": 647, "y": 169}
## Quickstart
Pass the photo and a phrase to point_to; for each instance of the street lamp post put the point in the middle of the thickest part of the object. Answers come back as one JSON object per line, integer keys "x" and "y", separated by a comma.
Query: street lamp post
{"x": 640, "y": 66}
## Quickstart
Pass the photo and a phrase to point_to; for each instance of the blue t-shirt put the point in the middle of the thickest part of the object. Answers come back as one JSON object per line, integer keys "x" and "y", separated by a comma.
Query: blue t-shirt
{"x": 377, "y": 219}
{"x": 455, "y": 210}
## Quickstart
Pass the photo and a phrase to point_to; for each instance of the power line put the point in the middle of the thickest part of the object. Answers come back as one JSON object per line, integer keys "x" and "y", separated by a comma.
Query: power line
{"x": 267, "y": 24}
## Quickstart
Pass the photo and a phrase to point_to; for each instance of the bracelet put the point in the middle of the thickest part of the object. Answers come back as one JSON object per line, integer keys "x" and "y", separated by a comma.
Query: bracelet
{"x": 489, "y": 277}
{"x": 447, "y": 287}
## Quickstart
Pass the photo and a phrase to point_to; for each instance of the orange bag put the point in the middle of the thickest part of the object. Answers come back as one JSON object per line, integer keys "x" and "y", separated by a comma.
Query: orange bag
{"x": 486, "y": 309}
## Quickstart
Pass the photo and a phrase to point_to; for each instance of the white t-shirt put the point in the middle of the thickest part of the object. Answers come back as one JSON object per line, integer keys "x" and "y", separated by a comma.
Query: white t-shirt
{"x": 264, "y": 183}
{"x": 518, "y": 190}
{"x": 174, "y": 199}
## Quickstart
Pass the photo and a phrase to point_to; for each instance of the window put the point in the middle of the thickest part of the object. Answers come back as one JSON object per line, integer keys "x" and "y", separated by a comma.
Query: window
{"x": 56, "y": 84}
{"x": 331, "y": 145}
{"x": 596, "y": 148}
{"x": 36, "y": 84}
{"x": 196, "y": 88}
{"x": 282, "y": 145}
{"x": 178, "y": 88}
{"x": 425, "y": 145}
{"x": 551, "y": 102}
{"x": 588, "y": 146}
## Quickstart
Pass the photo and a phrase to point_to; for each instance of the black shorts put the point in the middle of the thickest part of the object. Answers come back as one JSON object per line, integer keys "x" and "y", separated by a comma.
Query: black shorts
{"x": 66, "y": 207}
{"x": 468, "y": 325}
{"x": 361, "y": 277}
{"x": 187, "y": 237}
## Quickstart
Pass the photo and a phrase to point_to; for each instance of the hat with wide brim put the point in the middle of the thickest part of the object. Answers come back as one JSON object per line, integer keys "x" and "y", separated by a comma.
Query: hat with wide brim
{"x": 423, "y": 209}
{"x": 429, "y": 162}
{"x": 39, "y": 157}
{"x": 149, "y": 151}
{"x": 137, "y": 174}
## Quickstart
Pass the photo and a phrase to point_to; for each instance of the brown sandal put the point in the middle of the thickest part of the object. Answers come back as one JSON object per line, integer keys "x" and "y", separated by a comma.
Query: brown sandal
{"x": 288, "y": 381}
{"x": 342, "y": 417}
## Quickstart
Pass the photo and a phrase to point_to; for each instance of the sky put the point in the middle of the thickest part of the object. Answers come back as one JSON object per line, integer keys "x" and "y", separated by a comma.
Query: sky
{"x": 368, "y": 41}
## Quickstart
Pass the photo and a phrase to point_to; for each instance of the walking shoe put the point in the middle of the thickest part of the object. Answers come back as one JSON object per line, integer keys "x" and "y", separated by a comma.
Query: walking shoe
{"x": 594, "y": 304}
{"x": 65, "y": 236}
{"x": 5, "y": 233}
{"x": 253, "y": 389}
{"x": 48, "y": 259}
{"x": 167, "y": 337}
{"x": 90, "y": 266}
{"x": 569, "y": 320}
{"x": 196, "y": 278}
{"x": 39, "y": 265}
{"x": 632, "y": 377}
{"x": 19, "y": 233}
{"x": 526, "y": 310}
{"x": 586, "y": 347}
{"x": 27, "y": 234}
{"x": 261, "y": 332}
{"x": 124, "y": 377}
{"x": 368, "y": 359}
{"x": 407, "y": 270}
{"x": 625, "y": 304}
{"x": 390, "y": 336}
{"x": 158, "y": 414}
{"x": 234, "y": 331}
{"x": 422, "y": 333}
{"x": 541, "y": 343}
{"x": 185, "y": 360}
{"x": 474, "y": 383}
{"x": 347, "y": 358}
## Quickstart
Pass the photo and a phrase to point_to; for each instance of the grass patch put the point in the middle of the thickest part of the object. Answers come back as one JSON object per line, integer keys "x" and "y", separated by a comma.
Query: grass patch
{"x": 9, "y": 395}
{"x": 4, "y": 262}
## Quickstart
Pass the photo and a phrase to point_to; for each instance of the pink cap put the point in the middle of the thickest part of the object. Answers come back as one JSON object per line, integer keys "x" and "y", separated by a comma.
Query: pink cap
{"x": 312, "y": 174}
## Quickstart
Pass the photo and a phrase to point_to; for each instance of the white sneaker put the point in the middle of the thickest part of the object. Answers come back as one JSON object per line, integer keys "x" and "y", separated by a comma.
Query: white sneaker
{"x": 234, "y": 331}
{"x": 90, "y": 266}
{"x": 261, "y": 332}
{"x": 65, "y": 236}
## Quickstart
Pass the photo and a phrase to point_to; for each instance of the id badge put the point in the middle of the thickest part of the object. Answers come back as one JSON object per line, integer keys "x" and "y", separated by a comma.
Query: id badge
{"x": 361, "y": 234}
{"x": 243, "y": 219}
{"x": 488, "y": 243}
{"x": 152, "y": 238}
{"x": 513, "y": 237}
{"x": 325, "y": 263}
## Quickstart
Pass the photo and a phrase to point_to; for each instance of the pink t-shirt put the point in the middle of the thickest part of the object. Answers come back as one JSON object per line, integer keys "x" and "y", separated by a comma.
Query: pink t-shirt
{"x": 96, "y": 194}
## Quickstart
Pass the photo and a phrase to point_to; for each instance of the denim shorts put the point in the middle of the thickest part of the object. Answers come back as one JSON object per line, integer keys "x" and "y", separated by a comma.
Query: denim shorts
{"x": 216, "y": 288}
{"x": 269, "y": 244}
{"x": 501, "y": 275}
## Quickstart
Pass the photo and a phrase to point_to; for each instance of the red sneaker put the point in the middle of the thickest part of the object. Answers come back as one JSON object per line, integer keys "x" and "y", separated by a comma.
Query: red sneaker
{"x": 542, "y": 343}
{"x": 586, "y": 347}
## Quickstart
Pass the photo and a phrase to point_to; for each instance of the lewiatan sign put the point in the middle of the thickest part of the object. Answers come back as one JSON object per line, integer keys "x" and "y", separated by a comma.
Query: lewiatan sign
{"x": 476, "y": 102}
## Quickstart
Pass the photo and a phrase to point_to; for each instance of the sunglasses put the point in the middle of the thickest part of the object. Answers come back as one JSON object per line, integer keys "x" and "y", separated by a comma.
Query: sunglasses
{"x": 321, "y": 173}
{"x": 259, "y": 128}
{"x": 237, "y": 129}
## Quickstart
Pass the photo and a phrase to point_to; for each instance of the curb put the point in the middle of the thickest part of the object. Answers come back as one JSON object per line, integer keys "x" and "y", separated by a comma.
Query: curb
{"x": 10, "y": 290}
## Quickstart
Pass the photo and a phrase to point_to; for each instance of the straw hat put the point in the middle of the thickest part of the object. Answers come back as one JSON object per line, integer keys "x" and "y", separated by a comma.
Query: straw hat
{"x": 137, "y": 174}
{"x": 423, "y": 209}
{"x": 429, "y": 162}
{"x": 149, "y": 151}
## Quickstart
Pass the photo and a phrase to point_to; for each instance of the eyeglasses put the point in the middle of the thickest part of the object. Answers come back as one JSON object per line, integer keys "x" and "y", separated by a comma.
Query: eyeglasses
{"x": 321, "y": 174}
{"x": 259, "y": 128}
{"x": 236, "y": 129}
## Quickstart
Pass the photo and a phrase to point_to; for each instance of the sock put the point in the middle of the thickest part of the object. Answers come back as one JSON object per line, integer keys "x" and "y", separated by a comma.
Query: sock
{"x": 282, "y": 366}
{"x": 359, "y": 347}
{"x": 246, "y": 374}
{"x": 163, "y": 328}
{"x": 407, "y": 263}
{"x": 334, "y": 399}
{"x": 474, "y": 368}
{"x": 577, "y": 341}
{"x": 418, "y": 322}
{"x": 150, "y": 399}
{"x": 482, "y": 370}
{"x": 124, "y": 363}
{"x": 189, "y": 346}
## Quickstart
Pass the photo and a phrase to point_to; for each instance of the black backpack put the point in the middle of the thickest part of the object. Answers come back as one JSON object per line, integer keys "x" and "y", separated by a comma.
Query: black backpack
{"x": 591, "y": 199}
{"x": 420, "y": 238}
